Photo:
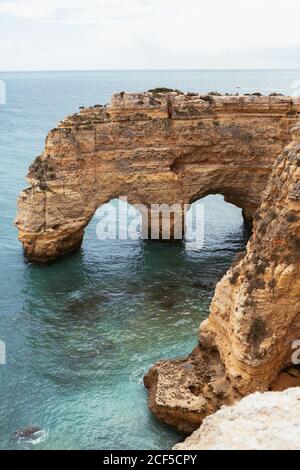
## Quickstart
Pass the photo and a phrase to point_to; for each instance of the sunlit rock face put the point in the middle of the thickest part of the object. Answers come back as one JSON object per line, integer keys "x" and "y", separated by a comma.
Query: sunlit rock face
{"x": 261, "y": 421}
{"x": 247, "y": 342}
{"x": 255, "y": 313}
{"x": 161, "y": 148}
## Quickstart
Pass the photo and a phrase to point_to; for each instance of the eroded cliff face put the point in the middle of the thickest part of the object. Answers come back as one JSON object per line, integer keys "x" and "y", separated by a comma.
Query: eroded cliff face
{"x": 246, "y": 343}
{"x": 255, "y": 313}
{"x": 153, "y": 148}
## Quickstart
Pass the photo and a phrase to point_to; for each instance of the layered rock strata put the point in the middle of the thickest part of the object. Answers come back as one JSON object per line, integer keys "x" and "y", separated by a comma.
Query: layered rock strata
{"x": 153, "y": 148}
{"x": 247, "y": 343}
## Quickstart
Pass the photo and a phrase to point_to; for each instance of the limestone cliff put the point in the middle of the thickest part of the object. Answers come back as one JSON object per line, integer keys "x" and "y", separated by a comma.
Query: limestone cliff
{"x": 175, "y": 148}
{"x": 161, "y": 148}
{"x": 261, "y": 421}
{"x": 246, "y": 343}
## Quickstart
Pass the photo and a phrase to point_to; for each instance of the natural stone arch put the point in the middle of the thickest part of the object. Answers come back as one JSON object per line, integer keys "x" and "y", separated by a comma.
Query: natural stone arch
{"x": 143, "y": 212}
{"x": 249, "y": 342}
{"x": 241, "y": 199}
{"x": 154, "y": 148}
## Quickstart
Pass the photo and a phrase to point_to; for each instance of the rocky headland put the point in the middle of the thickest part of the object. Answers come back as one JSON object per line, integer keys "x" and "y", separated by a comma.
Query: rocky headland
{"x": 246, "y": 344}
{"x": 153, "y": 148}
{"x": 168, "y": 147}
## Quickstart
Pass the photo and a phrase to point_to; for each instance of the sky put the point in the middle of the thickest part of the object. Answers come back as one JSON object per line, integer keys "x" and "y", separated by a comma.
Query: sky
{"x": 149, "y": 34}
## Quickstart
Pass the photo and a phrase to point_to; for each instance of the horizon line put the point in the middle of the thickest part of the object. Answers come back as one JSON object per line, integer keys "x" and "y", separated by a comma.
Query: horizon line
{"x": 156, "y": 70}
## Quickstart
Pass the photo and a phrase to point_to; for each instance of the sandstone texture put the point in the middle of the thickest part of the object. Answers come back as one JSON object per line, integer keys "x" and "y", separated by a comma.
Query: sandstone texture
{"x": 173, "y": 148}
{"x": 246, "y": 344}
{"x": 161, "y": 148}
{"x": 183, "y": 392}
{"x": 261, "y": 421}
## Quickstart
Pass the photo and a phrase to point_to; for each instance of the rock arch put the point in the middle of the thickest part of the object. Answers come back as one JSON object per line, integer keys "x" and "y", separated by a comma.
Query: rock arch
{"x": 154, "y": 148}
{"x": 249, "y": 339}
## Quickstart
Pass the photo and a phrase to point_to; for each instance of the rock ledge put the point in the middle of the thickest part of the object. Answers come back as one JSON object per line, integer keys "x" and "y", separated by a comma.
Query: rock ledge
{"x": 261, "y": 421}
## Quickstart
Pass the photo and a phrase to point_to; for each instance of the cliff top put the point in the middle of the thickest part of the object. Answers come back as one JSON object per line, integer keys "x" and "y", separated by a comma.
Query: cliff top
{"x": 161, "y": 104}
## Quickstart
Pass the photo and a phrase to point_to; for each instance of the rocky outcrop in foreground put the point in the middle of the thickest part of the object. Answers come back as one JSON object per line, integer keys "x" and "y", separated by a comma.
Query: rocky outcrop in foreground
{"x": 153, "y": 148}
{"x": 246, "y": 343}
{"x": 261, "y": 421}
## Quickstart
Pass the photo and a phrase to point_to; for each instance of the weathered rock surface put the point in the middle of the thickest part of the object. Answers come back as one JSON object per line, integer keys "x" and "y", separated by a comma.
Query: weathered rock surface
{"x": 184, "y": 391}
{"x": 153, "y": 148}
{"x": 261, "y": 421}
{"x": 254, "y": 317}
{"x": 255, "y": 313}
{"x": 174, "y": 148}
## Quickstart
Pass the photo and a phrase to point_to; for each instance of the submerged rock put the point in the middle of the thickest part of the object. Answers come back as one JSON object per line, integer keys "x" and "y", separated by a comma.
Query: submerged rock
{"x": 104, "y": 345}
{"x": 30, "y": 432}
{"x": 206, "y": 286}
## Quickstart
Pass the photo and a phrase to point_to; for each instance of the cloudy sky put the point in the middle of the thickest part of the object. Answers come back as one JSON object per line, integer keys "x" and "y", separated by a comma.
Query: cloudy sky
{"x": 147, "y": 34}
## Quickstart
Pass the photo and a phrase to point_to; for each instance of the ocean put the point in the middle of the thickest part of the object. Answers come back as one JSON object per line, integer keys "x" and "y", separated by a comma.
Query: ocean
{"x": 81, "y": 333}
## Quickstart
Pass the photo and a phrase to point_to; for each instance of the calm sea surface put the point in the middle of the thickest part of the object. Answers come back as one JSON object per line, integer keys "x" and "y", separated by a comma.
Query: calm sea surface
{"x": 81, "y": 333}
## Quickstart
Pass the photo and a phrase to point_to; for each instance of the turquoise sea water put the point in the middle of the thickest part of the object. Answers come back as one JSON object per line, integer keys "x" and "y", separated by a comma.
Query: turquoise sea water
{"x": 81, "y": 333}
